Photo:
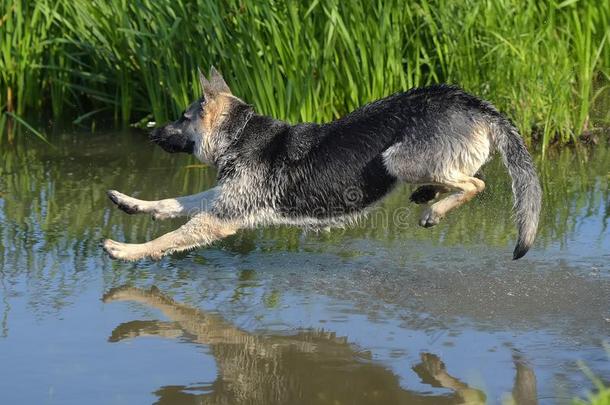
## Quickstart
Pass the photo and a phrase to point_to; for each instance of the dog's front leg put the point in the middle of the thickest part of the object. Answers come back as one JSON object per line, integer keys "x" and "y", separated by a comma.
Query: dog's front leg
{"x": 201, "y": 230}
{"x": 167, "y": 208}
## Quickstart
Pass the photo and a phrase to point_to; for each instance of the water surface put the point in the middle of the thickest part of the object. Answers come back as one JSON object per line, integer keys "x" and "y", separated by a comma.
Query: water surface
{"x": 383, "y": 312}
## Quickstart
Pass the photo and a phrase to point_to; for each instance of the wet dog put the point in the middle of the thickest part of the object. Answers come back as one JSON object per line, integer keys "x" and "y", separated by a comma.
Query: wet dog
{"x": 324, "y": 175}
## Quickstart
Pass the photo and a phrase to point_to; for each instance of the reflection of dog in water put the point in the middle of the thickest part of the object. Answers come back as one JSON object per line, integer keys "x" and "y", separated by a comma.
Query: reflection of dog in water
{"x": 310, "y": 367}
{"x": 320, "y": 176}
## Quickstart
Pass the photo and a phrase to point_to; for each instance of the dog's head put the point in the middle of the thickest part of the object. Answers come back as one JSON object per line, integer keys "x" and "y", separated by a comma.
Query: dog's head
{"x": 202, "y": 128}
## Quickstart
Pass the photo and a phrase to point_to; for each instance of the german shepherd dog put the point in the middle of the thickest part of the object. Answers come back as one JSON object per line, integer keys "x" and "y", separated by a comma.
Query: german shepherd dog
{"x": 324, "y": 175}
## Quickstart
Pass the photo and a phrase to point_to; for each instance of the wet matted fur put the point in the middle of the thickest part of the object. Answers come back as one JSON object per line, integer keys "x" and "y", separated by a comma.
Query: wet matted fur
{"x": 324, "y": 175}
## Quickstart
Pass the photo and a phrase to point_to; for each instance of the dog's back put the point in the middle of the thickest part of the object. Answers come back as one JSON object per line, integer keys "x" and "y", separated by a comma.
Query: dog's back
{"x": 339, "y": 168}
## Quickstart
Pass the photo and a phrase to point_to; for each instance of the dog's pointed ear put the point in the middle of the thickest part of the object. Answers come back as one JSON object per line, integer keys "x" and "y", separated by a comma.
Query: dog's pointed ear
{"x": 206, "y": 86}
{"x": 218, "y": 83}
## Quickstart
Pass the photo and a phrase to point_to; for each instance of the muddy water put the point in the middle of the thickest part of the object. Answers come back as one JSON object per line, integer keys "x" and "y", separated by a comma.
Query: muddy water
{"x": 384, "y": 312}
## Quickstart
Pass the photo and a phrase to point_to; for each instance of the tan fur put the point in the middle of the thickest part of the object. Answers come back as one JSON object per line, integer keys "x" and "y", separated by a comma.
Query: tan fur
{"x": 467, "y": 395}
{"x": 202, "y": 230}
{"x": 167, "y": 208}
{"x": 466, "y": 188}
{"x": 215, "y": 110}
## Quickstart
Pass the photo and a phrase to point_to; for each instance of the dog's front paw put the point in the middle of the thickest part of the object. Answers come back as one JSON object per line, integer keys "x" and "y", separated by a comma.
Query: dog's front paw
{"x": 124, "y": 202}
{"x": 430, "y": 218}
{"x": 122, "y": 251}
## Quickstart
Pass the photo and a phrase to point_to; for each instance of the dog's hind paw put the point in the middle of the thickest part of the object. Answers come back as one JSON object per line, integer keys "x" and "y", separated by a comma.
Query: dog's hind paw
{"x": 124, "y": 202}
{"x": 430, "y": 218}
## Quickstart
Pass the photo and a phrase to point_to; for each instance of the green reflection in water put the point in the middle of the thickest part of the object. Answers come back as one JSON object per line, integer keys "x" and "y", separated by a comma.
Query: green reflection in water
{"x": 53, "y": 207}
{"x": 54, "y": 212}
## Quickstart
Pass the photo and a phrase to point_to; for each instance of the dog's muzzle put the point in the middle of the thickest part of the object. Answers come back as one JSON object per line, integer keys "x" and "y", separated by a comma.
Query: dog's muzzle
{"x": 172, "y": 141}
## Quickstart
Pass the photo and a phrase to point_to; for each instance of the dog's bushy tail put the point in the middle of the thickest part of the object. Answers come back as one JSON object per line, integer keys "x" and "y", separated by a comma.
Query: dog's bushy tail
{"x": 526, "y": 186}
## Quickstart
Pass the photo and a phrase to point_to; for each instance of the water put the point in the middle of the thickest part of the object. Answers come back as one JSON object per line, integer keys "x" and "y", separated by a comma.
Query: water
{"x": 384, "y": 312}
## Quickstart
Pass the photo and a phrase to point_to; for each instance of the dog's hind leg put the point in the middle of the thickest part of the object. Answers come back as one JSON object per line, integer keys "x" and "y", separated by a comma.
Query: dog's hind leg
{"x": 466, "y": 188}
{"x": 167, "y": 208}
{"x": 201, "y": 230}
{"x": 427, "y": 193}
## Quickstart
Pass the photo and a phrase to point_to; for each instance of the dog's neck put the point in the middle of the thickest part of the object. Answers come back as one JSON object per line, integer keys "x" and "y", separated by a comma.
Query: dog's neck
{"x": 247, "y": 134}
{"x": 232, "y": 128}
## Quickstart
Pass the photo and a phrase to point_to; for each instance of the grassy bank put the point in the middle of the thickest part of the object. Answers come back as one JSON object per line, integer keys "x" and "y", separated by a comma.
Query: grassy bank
{"x": 602, "y": 394}
{"x": 600, "y": 398}
{"x": 117, "y": 62}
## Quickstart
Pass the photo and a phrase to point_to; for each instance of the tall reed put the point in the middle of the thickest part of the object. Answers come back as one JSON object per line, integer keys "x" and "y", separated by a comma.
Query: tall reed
{"x": 116, "y": 62}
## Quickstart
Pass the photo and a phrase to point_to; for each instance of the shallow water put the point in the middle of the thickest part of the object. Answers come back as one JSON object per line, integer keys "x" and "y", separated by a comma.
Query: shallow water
{"x": 383, "y": 312}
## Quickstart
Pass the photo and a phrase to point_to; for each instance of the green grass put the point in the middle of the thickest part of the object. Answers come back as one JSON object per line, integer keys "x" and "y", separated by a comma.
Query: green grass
{"x": 602, "y": 394}
{"x": 601, "y": 398}
{"x": 116, "y": 62}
